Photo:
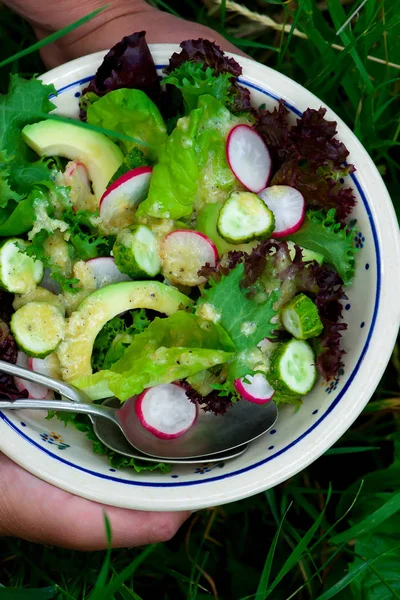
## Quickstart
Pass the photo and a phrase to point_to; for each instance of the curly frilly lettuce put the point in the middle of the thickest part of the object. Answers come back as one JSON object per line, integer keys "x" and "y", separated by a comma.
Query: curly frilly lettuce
{"x": 321, "y": 233}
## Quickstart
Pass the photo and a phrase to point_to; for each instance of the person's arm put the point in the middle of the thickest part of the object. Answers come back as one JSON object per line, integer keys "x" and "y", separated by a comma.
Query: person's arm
{"x": 122, "y": 18}
{"x": 30, "y": 508}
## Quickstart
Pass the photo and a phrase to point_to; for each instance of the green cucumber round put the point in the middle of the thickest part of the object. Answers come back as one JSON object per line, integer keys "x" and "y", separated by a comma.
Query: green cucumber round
{"x": 245, "y": 217}
{"x": 19, "y": 273}
{"x": 292, "y": 368}
{"x": 300, "y": 317}
{"x": 38, "y": 328}
{"x": 136, "y": 252}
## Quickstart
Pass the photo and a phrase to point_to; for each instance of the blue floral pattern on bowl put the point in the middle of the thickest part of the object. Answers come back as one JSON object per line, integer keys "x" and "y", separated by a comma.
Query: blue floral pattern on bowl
{"x": 332, "y": 385}
{"x": 55, "y": 439}
{"x": 207, "y": 467}
{"x": 359, "y": 240}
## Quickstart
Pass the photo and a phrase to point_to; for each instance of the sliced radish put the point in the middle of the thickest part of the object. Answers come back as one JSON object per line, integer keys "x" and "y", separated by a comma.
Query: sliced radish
{"x": 49, "y": 366}
{"x": 166, "y": 411}
{"x": 105, "y": 271}
{"x": 288, "y": 206}
{"x": 257, "y": 390}
{"x": 76, "y": 177}
{"x": 118, "y": 203}
{"x": 34, "y": 390}
{"x": 248, "y": 157}
{"x": 184, "y": 253}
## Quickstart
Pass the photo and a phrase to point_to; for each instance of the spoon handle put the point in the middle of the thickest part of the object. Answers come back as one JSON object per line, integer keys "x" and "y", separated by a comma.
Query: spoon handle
{"x": 62, "y": 406}
{"x": 69, "y": 391}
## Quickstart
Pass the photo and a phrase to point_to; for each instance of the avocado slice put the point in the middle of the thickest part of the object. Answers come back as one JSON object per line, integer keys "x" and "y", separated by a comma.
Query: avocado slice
{"x": 92, "y": 314}
{"x": 101, "y": 157}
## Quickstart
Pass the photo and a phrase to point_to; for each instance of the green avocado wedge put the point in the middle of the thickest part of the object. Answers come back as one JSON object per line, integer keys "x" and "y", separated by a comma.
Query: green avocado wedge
{"x": 92, "y": 314}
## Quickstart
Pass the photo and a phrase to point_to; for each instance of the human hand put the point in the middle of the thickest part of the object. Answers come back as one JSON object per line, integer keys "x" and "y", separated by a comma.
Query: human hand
{"x": 39, "y": 512}
{"x": 122, "y": 18}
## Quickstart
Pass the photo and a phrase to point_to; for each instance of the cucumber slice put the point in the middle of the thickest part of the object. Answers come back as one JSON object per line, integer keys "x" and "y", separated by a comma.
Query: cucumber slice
{"x": 38, "y": 328}
{"x": 292, "y": 371}
{"x": 136, "y": 252}
{"x": 245, "y": 217}
{"x": 19, "y": 273}
{"x": 39, "y": 294}
{"x": 300, "y": 318}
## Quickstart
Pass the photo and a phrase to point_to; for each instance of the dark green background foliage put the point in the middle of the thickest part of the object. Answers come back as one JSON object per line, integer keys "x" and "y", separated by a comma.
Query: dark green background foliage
{"x": 299, "y": 540}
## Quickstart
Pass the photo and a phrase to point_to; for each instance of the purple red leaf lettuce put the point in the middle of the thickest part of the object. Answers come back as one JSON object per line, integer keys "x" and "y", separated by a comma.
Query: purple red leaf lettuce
{"x": 273, "y": 125}
{"x": 8, "y": 349}
{"x": 308, "y": 156}
{"x": 128, "y": 64}
{"x": 210, "y": 55}
{"x": 213, "y": 402}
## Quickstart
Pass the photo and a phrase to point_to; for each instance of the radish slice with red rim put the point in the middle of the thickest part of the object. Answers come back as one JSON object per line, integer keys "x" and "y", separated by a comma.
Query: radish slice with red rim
{"x": 248, "y": 157}
{"x": 48, "y": 366}
{"x": 105, "y": 271}
{"x": 288, "y": 206}
{"x": 257, "y": 389}
{"x": 121, "y": 197}
{"x": 166, "y": 411}
{"x": 184, "y": 253}
{"x": 34, "y": 390}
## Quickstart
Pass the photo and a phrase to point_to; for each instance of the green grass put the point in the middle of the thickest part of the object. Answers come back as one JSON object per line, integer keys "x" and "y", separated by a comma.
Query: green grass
{"x": 334, "y": 529}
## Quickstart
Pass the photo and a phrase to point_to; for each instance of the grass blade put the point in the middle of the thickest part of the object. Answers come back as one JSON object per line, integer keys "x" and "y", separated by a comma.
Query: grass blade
{"x": 112, "y": 588}
{"x": 350, "y": 450}
{"x": 317, "y": 572}
{"x": 53, "y": 37}
{"x": 264, "y": 580}
{"x": 98, "y": 589}
{"x": 337, "y": 13}
{"x": 385, "y": 582}
{"x": 26, "y": 594}
{"x": 344, "y": 582}
{"x": 390, "y": 508}
{"x": 300, "y": 548}
{"x": 290, "y": 34}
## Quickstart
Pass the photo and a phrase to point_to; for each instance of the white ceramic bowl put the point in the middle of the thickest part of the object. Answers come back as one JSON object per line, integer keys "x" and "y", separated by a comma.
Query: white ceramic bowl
{"x": 64, "y": 457}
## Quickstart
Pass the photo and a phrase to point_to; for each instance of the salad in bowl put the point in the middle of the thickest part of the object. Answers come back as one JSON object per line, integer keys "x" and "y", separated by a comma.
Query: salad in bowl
{"x": 176, "y": 243}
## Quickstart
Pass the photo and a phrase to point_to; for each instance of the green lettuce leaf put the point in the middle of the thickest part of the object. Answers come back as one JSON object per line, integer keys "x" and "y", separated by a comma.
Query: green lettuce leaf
{"x": 321, "y": 233}
{"x": 193, "y": 168}
{"x": 132, "y": 113}
{"x": 25, "y": 103}
{"x": 169, "y": 349}
{"x": 6, "y": 193}
{"x": 18, "y": 217}
{"x": 194, "y": 81}
{"x": 246, "y": 321}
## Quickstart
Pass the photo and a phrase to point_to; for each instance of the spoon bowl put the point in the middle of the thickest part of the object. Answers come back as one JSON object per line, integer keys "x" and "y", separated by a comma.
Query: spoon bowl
{"x": 210, "y": 435}
{"x": 112, "y": 437}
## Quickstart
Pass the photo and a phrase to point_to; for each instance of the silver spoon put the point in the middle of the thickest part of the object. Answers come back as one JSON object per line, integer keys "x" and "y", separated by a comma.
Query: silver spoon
{"x": 108, "y": 432}
{"x": 211, "y": 435}
{"x": 115, "y": 440}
